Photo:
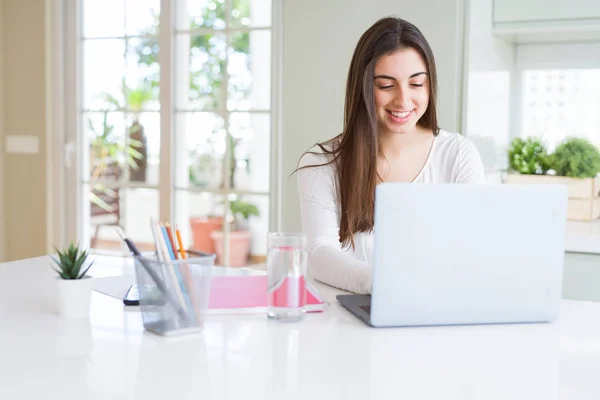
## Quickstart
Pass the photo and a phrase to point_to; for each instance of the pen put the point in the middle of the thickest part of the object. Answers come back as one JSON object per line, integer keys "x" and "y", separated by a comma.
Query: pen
{"x": 128, "y": 242}
{"x": 181, "y": 248}
{"x": 153, "y": 275}
{"x": 171, "y": 240}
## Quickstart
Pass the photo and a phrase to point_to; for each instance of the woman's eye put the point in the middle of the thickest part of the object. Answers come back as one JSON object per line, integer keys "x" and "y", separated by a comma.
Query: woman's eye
{"x": 386, "y": 87}
{"x": 416, "y": 84}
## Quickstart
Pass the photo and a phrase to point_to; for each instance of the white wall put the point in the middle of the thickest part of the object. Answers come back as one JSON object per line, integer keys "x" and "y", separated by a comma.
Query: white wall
{"x": 319, "y": 38}
{"x": 489, "y": 74}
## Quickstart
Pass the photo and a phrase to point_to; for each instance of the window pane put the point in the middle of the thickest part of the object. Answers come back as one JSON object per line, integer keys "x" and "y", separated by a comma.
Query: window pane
{"x": 561, "y": 103}
{"x": 142, "y": 75}
{"x": 104, "y": 138}
{"x": 104, "y": 18}
{"x": 202, "y": 14}
{"x": 103, "y": 72}
{"x": 139, "y": 206}
{"x": 200, "y": 150}
{"x": 249, "y": 67}
{"x": 199, "y": 73}
{"x": 250, "y": 134}
{"x": 143, "y": 147}
{"x": 198, "y": 215}
{"x": 251, "y": 13}
{"x": 142, "y": 17}
{"x": 129, "y": 208}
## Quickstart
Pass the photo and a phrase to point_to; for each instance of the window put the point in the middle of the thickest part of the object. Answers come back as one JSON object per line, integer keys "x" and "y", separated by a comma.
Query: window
{"x": 174, "y": 123}
{"x": 559, "y": 91}
{"x": 561, "y": 102}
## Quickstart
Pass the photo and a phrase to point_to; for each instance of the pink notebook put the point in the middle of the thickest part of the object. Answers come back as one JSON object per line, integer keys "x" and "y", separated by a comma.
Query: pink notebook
{"x": 249, "y": 292}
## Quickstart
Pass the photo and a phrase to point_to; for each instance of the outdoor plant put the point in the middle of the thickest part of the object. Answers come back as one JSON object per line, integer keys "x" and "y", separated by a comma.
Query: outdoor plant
{"x": 242, "y": 211}
{"x": 528, "y": 156}
{"x": 70, "y": 262}
{"x": 108, "y": 152}
{"x": 577, "y": 158}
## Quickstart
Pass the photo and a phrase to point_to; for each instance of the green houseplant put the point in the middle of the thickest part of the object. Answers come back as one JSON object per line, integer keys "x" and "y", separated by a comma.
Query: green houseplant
{"x": 136, "y": 99}
{"x": 242, "y": 211}
{"x": 74, "y": 285}
{"x": 575, "y": 163}
{"x": 577, "y": 158}
{"x": 528, "y": 156}
{"x": 108, "y": 155}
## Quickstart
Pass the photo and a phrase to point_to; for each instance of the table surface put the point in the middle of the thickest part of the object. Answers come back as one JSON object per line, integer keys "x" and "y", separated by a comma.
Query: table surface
{"x": 329, "y": 355}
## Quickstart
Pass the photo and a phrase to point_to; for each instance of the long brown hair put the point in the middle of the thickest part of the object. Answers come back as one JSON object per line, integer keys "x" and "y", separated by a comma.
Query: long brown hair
{"x": 354, "y": 152}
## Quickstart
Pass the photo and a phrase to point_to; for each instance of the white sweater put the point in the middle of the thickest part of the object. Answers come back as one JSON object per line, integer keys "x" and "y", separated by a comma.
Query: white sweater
{"x": 453, "y": 159}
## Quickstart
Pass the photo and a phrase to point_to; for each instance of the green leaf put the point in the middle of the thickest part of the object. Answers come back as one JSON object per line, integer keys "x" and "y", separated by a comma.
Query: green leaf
{"x": 86, "y": 270}
{"x": 78, "y": 263}
{"x": 100, "y": 203}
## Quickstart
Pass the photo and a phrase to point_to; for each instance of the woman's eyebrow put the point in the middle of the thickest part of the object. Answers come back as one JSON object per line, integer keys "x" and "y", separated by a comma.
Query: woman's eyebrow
{"x": 392, "y": 78}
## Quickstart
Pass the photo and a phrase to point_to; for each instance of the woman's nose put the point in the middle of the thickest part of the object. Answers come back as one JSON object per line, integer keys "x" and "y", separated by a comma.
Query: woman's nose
{"x": 401, "y": 98}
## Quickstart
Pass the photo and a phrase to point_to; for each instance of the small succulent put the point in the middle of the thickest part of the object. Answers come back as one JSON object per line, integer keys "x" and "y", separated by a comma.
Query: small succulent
{"x": 70, "y": 261}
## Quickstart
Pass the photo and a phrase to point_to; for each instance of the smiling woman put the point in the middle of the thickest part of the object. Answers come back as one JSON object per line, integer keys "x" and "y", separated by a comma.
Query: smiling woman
{"x": 390, "y": 133}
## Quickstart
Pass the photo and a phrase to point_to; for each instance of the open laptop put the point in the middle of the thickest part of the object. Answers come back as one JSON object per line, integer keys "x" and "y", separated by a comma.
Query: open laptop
{"x": 465, "y": 254}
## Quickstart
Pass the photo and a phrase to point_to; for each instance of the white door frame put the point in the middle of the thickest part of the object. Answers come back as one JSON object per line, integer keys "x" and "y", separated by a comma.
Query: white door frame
{"x": 72, "y": 143}
{"x": 56, "y": 206}
{"x": 276, "y": 167}
{"x": 2, "y": 134}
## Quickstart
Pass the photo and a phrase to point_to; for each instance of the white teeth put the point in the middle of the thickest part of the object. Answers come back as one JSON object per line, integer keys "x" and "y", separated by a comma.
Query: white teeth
{"x": 400, "y": 114}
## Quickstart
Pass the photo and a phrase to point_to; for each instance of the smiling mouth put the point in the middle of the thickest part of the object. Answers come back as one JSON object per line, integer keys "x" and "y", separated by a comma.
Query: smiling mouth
{"x": 400, "y": 114}
{"x": 400, "y": 117}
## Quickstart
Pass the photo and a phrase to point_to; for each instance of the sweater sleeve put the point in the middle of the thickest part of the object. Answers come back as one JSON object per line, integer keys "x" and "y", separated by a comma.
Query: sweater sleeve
{"x": 327, "y": 261}
{"x": 469, "y": 168}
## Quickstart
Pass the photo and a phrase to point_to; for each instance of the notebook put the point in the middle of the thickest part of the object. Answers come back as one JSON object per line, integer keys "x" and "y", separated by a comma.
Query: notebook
{"x": 249, "y": 293}
{"x": 229, "y": 294}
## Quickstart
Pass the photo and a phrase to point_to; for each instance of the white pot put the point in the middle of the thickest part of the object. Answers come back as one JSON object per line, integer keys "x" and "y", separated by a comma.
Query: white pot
{"x": 73, "y": 297}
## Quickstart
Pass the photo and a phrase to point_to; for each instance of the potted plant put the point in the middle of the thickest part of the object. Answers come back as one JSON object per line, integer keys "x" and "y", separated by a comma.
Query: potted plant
{"x": 239, "y": 234}
{"x": 107, "y": 156}
{"x": 575, "y": 163}
{"x": 74, "y": 286}
{"x": 136, "y": 99}
{"x": 576, "y": 158}
{"x": 528, "y": 156}
{"x": 204, "y": 168}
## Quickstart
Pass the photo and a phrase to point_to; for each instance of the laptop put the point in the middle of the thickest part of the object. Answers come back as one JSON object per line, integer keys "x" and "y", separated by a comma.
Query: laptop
{"x": 449, "y": 254}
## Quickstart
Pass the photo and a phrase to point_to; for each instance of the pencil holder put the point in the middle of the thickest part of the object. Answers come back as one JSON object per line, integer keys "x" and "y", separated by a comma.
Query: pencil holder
{"x": 174, "y": 294}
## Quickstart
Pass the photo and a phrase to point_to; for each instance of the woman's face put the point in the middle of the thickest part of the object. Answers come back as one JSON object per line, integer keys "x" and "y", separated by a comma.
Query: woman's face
{"x": 401, "y": 91}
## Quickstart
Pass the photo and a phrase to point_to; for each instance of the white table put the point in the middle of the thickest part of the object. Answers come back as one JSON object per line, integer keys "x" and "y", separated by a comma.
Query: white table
{"x": 327, "y": 356}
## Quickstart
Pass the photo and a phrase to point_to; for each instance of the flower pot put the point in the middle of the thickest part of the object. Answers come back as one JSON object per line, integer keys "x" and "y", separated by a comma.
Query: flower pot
{"x": 584, "y": 197}
{"x": 73, "y": 297}
{"x": 239, "y": 247}
{"x": 202, "y": 227}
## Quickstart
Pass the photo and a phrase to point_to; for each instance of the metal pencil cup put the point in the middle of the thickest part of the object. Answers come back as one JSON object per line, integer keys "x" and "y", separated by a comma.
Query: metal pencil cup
{"x": 174, "y": 294}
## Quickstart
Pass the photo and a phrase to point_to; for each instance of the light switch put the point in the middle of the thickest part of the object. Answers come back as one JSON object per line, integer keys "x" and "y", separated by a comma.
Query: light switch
{"x": 22, "y": 144}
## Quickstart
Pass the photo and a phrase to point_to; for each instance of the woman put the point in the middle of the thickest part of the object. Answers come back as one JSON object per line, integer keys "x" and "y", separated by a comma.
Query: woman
{"x": 390, "y": 134}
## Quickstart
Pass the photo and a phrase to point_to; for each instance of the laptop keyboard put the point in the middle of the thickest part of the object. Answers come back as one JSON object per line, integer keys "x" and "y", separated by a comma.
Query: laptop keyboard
{"x": 367, "y": 309}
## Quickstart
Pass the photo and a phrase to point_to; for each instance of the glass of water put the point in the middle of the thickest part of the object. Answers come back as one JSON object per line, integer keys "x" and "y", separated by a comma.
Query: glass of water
{"x": 286, "y": 266}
